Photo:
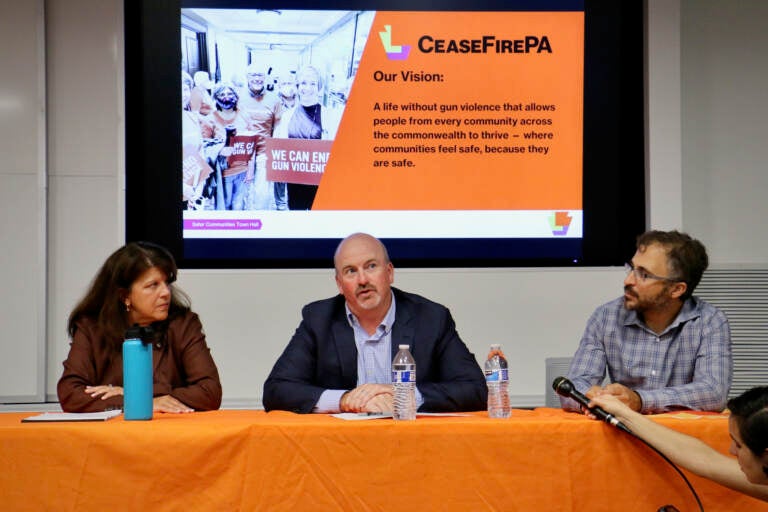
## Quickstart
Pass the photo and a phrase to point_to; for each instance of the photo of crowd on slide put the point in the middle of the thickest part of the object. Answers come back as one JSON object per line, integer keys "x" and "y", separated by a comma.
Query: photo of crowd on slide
{"x": 250, "y": 75}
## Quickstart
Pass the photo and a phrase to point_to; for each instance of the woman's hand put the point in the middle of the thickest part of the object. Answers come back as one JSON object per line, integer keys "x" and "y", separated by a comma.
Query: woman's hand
{"x": 167, "y": 403}
{"x": 611, "y": 404}
{"x": 106, "y": 391}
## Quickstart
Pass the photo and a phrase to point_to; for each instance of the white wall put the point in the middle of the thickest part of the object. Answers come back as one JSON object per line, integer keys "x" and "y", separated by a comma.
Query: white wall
{"x": 662, "y": 124}
{"x": 22, "y": 201}
{"x": 85, "y": 155}
{"x": 535, "y": 313}
{"x": 724, "y": 126}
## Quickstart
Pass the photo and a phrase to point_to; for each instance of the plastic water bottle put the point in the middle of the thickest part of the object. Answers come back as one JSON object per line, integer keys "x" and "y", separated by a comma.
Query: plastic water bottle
{"x": 137, "y": 375}
{"x": 404, "y": 382}
{"x": 497, "y": 379}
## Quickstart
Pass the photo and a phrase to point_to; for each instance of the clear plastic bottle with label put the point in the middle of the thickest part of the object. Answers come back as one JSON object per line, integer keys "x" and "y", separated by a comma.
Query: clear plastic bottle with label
{"x": 497, "y": 379}
{"x": 404, "y": 382}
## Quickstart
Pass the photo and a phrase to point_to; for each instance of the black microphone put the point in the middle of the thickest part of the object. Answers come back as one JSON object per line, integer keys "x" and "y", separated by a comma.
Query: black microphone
{"x": 564, "y": 387}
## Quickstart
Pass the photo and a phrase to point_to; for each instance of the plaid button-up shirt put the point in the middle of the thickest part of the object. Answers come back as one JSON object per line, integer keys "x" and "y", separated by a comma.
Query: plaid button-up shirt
{"x": 688, "y": 366}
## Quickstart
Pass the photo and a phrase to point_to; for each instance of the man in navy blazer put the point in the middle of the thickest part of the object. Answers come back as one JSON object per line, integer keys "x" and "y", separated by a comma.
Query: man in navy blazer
{"x": 340, "y": 357}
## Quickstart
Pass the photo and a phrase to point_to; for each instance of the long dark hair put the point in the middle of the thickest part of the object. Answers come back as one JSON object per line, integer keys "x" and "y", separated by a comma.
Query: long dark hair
{"x": 104, "y": 301}
{"x": 750, "y": 410}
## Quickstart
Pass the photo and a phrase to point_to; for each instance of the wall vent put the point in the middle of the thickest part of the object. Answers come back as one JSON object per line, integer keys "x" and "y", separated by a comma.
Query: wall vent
{"x": 742, "y": 294}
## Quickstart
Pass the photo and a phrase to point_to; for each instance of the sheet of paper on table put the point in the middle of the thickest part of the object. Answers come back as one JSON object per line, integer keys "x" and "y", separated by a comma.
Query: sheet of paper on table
{"x": 357, "y": 416}
{"x": 72, "y": 416}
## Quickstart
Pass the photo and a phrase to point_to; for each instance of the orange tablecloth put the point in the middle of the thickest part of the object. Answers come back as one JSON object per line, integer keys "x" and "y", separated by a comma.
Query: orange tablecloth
{"x": 231, "y": 460}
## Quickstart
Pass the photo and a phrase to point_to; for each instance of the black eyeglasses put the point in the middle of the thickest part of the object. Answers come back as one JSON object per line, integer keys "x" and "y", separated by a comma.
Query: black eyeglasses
{"x": 643, "y": 275}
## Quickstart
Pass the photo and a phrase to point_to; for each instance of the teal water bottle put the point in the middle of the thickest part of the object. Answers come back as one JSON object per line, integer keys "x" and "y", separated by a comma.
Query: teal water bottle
{"x": 137, "y": 374}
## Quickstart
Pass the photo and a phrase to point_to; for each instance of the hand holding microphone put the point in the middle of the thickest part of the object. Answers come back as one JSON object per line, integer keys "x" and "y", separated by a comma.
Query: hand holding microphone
{"x": 564, "y": 387}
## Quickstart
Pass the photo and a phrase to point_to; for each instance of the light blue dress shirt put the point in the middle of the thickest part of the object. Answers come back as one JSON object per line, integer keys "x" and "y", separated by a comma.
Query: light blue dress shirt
{"x": 374, "y": 359}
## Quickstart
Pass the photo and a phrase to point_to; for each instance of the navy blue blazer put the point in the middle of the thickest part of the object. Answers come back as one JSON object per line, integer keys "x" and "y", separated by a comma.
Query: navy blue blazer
{"x": 322, "y": 355}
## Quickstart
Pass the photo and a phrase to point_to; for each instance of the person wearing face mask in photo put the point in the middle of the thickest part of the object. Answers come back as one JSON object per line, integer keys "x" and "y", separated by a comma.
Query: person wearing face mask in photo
{"x": 286, "y": 89}
{"x": 135, "y": 287}
{"x": 287, "y": 94}
{"x": 228, "y": 116}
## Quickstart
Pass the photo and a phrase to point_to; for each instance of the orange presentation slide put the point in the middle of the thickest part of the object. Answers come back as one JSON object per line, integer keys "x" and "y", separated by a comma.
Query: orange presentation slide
{"x": 479, "y": 111}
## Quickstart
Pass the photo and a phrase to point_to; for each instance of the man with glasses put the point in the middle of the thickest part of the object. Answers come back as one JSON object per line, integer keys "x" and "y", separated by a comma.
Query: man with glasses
{"x": 662, "y": 348}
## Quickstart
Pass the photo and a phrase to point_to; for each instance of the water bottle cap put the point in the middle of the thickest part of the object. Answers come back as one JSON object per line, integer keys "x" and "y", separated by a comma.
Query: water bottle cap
{"x": 137, "y": 332}
{"x": 495, "y": 345}
{"x": 134, "y": 332}
{"x": 403, "y": 347}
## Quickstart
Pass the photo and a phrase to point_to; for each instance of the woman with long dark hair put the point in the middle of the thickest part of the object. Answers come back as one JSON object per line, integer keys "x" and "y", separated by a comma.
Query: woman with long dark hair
{"x": 135, "y": 286}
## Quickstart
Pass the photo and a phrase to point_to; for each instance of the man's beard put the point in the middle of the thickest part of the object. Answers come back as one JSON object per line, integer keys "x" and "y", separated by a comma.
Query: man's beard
{"x": 658, "y": 301}
{"x": 372, "y": 301}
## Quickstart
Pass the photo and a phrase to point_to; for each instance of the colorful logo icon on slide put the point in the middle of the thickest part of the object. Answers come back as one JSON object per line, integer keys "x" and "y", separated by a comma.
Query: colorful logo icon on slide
{"x": 559, "y": 221}
{"x": 394, "y": 52}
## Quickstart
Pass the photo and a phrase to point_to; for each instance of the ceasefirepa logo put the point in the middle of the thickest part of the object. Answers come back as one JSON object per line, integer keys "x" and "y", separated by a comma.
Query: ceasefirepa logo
{"x": 394, "y": 52}
{"x": 559, "y": 222}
